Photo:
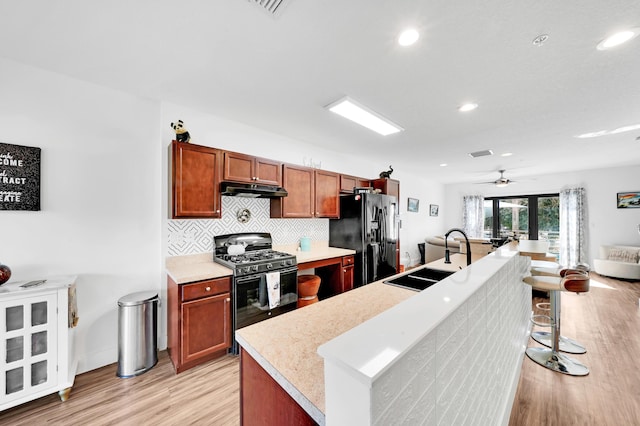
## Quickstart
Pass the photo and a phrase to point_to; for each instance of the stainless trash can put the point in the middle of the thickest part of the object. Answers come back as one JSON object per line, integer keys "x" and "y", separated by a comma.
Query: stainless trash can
{"x": 137, "y": 333}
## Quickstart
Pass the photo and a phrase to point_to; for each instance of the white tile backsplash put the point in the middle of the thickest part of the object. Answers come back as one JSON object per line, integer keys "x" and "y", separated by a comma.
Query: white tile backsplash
{"x": 192, "y": 236}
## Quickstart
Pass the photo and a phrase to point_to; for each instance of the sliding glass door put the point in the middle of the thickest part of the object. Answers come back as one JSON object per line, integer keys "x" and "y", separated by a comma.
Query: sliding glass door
{"x": 526, "y": 217}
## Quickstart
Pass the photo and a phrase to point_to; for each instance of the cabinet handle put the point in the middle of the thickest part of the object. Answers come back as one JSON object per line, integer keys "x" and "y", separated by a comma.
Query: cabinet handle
{"x": 228, "y": 299}
{"x": 207, "y": 288}
{"x": 218, "y": 211}
{"x": 345, "y": 270}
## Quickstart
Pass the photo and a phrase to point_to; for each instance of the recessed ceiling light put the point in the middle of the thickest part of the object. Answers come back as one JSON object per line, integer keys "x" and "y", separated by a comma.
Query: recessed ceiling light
{"x": 443, "y": 165}
{"x": 507, "y": 154}
{"x": 352, "y": 110}
{"x": 618, "y": 38}
{"x": 468, "y": 107}
{"x": 408, "y": 37}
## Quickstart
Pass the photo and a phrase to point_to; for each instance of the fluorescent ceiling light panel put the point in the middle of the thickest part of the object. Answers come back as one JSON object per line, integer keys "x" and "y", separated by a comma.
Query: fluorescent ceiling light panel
{"x": 618, "y": 38}
{"x": 609, "y": 132}
{"x": 625, "y": 129}
{"x": 352, "y": 110}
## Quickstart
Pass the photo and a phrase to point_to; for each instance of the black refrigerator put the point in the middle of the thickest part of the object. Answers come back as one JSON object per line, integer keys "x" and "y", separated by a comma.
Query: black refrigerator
{"x": 368, "y": 224}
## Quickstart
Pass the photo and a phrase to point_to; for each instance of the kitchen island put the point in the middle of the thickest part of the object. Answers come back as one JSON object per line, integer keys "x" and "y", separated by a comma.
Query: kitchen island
{"x": 449, "y": 354}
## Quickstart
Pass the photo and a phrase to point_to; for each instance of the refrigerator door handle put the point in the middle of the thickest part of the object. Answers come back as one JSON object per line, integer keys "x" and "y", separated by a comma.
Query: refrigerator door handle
{"x": 373, "y": 251}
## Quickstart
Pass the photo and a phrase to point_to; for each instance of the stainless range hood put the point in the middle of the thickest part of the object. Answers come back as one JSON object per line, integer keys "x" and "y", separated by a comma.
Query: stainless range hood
{"x": 252, "y": 190}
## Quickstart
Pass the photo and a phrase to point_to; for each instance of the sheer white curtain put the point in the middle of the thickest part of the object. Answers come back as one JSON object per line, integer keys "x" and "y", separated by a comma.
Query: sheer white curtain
{"x": 473, "y": 215}
{"x": 573, "y": 227}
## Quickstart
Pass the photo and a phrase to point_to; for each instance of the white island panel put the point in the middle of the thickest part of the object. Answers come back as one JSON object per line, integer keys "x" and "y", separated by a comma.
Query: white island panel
{"x": 449, "y": 355}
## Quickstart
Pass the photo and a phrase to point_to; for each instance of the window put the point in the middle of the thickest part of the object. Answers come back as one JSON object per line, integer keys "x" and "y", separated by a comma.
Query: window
{"x": 533, "y": 217}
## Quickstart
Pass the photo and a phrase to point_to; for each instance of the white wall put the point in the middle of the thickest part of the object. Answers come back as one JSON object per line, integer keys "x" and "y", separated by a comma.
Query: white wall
{"x": 100, "y": 197}
{"x": 607, "y": 224}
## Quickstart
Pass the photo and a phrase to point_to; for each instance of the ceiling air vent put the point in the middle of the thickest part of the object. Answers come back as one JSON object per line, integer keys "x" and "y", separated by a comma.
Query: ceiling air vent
{"x": 271, "y": 6}
{"x": 481, "y": 153}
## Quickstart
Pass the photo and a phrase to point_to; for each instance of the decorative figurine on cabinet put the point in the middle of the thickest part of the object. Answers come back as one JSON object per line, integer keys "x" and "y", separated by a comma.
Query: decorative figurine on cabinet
{"x": 386, "y": 174}
{"x": 181, "y": 133}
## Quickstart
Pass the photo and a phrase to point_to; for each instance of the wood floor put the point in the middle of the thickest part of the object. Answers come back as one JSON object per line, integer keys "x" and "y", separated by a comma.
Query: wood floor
{"x": 205, "y": 395}
{"x": 606, "y": 320}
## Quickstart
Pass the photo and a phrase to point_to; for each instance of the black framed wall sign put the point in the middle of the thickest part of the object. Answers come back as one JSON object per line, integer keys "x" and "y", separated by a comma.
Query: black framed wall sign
{"x": 19, "y": 177}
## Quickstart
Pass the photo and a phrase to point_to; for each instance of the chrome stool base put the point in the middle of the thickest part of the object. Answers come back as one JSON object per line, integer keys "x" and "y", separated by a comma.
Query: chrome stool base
{"x": 557, "y": 362}
{"x": 565, "y": 344}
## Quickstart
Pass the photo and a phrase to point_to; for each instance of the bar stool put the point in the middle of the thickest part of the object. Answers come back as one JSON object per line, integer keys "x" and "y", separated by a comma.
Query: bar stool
{"x": 574, "y": 280}
{"x": 566, "y": 344}
{"x": 308, "y": 286}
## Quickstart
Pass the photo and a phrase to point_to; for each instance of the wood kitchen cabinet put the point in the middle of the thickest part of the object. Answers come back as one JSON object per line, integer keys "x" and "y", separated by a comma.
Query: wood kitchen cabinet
{"x": 347, "y": 273}
{"x": 312, "y": 193}
{"x": 199, "y": 317}
{"x": 388, "y": 186}
{"x": 327, "y": 199}
{"x": 347, "y": 183}
{"x": 246, "y": 168}
{"x": 195, "y": 181}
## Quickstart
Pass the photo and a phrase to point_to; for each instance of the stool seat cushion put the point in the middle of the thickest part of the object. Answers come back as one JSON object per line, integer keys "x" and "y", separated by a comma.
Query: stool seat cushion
{"x": 549, "y": 272}
{"x": 576, "y": 283}
{"x": 546, "y": 283}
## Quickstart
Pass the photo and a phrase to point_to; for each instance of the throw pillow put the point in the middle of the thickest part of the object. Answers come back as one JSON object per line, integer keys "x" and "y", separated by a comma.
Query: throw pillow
{"x": 623, "y": 255}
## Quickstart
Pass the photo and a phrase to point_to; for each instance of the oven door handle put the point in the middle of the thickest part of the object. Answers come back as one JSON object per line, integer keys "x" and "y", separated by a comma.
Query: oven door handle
{"x": 240, "y": 280}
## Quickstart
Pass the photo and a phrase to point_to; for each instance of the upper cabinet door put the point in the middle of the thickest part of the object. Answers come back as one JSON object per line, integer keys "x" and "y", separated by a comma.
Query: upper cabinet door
{"x": 347, "y": 183}
{"x": 195, "y": 181}
{"x": 246, "y": 168}
{"x": 327, "y": 194}
{"x": 268, "y": 172}
{"x": 299, "y": 183}
{"x": 238, "y": 167}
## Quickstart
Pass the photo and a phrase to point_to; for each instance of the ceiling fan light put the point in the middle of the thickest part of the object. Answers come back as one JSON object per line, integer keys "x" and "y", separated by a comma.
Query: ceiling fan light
{"x": 501, "y": 184}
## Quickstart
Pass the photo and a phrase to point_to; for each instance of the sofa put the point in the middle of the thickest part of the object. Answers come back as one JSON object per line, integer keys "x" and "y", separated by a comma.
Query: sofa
{"x": 434, "y": 248}
{"x": 618, "y": 262}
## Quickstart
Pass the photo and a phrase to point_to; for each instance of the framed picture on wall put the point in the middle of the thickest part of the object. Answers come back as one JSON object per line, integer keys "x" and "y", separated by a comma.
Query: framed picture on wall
{"x": 413, "y": 204}
{"x": 433, "y": 210}
{"x": 628, "y": 200}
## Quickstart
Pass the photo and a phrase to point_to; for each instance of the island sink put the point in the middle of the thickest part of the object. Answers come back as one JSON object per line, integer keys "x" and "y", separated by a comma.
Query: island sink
{"x": 419, "y": 279}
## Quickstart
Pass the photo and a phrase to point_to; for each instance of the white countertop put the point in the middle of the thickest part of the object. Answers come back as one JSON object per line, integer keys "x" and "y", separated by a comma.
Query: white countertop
{"x": 54, "y": 282}
{"x": 379, "y": 326}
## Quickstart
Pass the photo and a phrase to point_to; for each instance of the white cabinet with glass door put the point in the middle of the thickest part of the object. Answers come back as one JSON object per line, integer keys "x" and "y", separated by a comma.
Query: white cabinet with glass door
{"x": 36, "y": 344}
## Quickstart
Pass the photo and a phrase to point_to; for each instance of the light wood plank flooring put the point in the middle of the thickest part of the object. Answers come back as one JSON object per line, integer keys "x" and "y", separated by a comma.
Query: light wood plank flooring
{"x": 205, "y": 395}
{"x": 606, "y": 320}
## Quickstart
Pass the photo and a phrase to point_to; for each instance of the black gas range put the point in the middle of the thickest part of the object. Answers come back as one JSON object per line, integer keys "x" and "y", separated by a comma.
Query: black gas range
{"x": 256, "y": 268}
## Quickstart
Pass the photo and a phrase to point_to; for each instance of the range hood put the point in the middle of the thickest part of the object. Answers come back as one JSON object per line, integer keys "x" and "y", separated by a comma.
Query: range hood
{"x": 252, "y": 190}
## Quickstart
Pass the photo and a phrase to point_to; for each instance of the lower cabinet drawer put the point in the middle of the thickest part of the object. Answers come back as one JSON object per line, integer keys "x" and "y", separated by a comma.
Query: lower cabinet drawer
{"x": 205, "y": 288}
{"x": 347, "y": 260}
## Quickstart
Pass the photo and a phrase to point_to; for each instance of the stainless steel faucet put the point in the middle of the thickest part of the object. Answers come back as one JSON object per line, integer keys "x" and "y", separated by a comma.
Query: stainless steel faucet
{"x": 447, "y": 256}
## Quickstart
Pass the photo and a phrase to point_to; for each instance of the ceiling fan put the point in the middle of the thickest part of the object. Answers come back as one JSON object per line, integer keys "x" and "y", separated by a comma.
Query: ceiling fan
{"x": 501, "y": 181}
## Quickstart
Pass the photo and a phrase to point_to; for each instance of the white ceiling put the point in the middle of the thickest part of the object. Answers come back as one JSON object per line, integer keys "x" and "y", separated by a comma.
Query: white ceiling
{"x": 233, "y": 59}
